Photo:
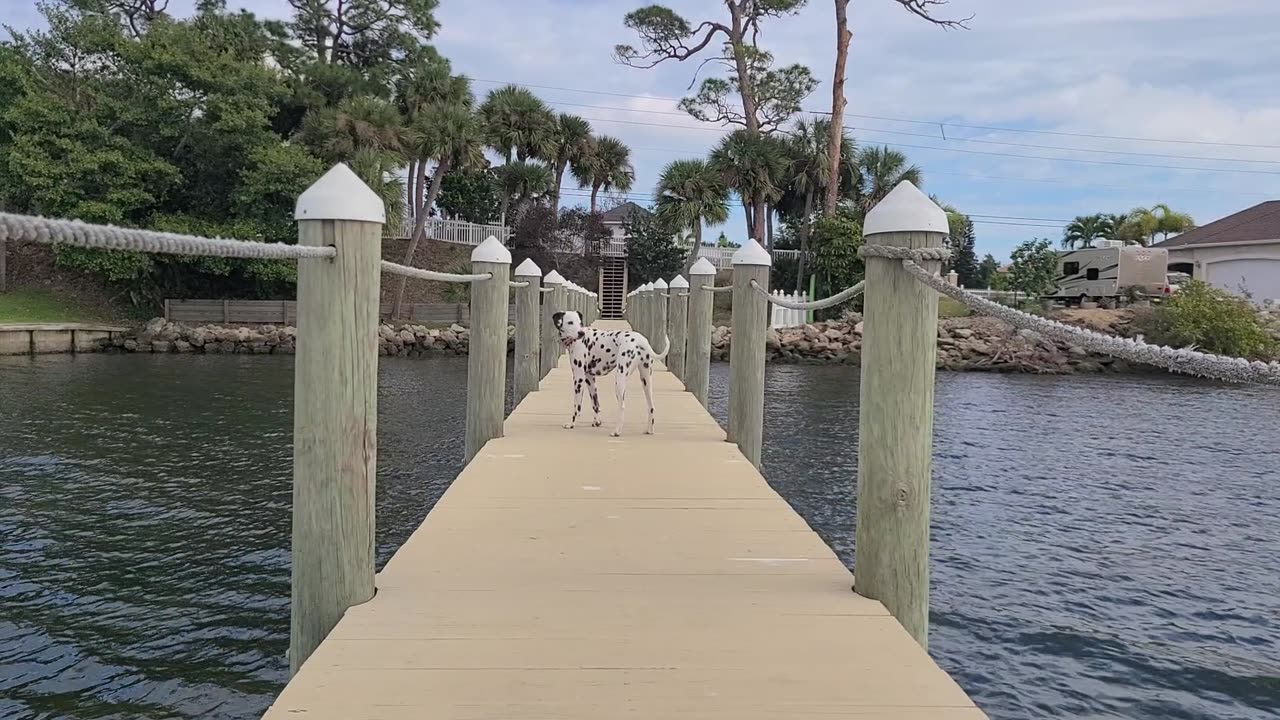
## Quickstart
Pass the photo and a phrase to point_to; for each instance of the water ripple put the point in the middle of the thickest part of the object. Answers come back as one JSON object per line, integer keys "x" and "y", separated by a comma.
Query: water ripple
{"x": 1103, "y": 547}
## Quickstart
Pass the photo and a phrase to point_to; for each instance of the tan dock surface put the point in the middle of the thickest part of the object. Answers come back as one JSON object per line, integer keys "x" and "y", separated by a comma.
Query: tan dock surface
{"x": 568, "y": 575}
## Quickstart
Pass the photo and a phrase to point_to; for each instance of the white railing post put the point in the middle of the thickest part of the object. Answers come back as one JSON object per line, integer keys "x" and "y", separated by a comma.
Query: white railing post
{"x": 697, "y": 353}
{"x": 677, "y": 324}
{"x": 528, "y": 317}
{"x": 335, "y": 407}
{"x": 751, "y": 263}
{"x": 659, "y": 313}
{"x": 487, "y": 353}
{"x": 895, "y": 431}
{"x": 552, "y": 303}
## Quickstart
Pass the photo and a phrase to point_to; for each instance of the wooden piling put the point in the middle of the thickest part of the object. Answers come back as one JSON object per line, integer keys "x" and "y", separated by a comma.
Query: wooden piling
{"x": 487, "y": 354}
{"x": 335, "y": 407}
{"x": 659, "y": 326}
{"x": 528, "y": 360}
{"x": 677, "y": 323}
{"x": 747, "y": 350}
{"x": 697, "y": 354}
{"x": 552, "y": 303}
{"x": 895, "y": 435}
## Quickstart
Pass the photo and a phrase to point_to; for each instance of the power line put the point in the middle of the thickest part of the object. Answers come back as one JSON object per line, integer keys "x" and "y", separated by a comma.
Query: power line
{"x": 992, "y": 128}
{"x": 946, "y": 139}
{"x": 981, "y": 152}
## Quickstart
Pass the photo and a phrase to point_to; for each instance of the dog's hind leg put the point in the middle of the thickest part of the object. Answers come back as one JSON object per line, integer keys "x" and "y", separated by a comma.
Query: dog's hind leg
{"x": 595, "y": 401}
{"x": 646, "y": 379}
{"x": 577, "y": 402}
{"x": 620, "y": 390}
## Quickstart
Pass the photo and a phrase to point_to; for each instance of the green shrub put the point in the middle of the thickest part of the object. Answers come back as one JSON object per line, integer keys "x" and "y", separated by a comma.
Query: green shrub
{"x": 1211, "y": 319}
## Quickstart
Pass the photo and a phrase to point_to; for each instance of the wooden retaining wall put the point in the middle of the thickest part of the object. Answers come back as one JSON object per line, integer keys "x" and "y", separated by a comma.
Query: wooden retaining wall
{"x": 285, "y": 312}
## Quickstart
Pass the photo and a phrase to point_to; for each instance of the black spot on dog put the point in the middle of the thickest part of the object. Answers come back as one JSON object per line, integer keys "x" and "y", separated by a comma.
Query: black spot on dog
{"x": 557, "y": 319}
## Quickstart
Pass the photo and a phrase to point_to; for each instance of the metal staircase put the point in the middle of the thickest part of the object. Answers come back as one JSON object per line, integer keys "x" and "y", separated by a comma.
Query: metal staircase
{"x": 613, "y": 287}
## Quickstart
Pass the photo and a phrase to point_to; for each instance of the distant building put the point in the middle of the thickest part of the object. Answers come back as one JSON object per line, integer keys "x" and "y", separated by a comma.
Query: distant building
{"x": 1239, "y": 253}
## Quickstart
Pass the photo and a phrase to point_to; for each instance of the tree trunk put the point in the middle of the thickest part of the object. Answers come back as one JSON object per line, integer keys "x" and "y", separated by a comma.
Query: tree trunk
{"x": 411, "y": 194}
{"x": 747, "y": 210}
{"x": 834, "y": 132}
{"x": 697, "y": 243}
{"x": 594, "y": 190}
{"x": 419, "y": 225}
{"x": 804, "y": 240}
{"x": 768, "y": 214}
{"x": 555, "y": 190}
{"x": 758, "y": 218}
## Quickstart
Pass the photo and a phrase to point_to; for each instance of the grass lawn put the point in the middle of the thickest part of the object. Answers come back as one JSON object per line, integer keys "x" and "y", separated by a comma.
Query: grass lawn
{"x": 949, "y": 308}
{"x": 30, "y": 305}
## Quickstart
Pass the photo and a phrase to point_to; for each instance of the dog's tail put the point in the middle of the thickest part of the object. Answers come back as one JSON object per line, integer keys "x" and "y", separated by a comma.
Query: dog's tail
{"x": 666, "y": 348}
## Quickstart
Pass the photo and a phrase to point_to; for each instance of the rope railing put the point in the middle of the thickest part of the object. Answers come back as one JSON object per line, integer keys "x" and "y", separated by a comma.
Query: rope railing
{"x": 836, "y": 299}
{"x": 713, "y": 288}
{"x": 420, "y": 274}
{"x": 547, "y": 290}
{"x": 1180, "y": 360}
{"x": 53, "y": 231}
{"x": 519, "y": 283}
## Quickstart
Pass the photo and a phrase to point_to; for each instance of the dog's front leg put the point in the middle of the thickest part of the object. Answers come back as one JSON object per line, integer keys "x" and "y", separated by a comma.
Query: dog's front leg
{"x": 595, "y": 401}
{"x": 577, "y": 402}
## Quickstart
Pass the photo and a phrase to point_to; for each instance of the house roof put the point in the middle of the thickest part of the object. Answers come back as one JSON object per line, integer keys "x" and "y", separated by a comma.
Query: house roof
{"x": 620, "y": 213}
{"x": 1260, "y": 222}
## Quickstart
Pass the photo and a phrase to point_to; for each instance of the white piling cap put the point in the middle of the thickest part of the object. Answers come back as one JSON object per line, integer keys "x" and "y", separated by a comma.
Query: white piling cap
{"x": 702, "y": 267}
{"x": 491, "y": 251}
{"x": 528, "y": 268}
{"x": 659, "y": 284}
{"x": 340, "y": 195}
{"x": 553, "y": 278}
{"x": 679, "y": 282}
{"x": 905, "y": 209}
{"x": 752, "y": 254}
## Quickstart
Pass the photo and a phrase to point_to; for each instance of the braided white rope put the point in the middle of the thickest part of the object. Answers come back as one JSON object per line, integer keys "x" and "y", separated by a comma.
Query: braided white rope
{"x": 421, "y": 274}
{"x": 109, "y": 237}
{"x": 1183, "y": 360}
{"x": 547, "y": 290}
{"x": 519, "y": 284}
{"x": 726, "y": 288}
{"x": 836, "y": 299}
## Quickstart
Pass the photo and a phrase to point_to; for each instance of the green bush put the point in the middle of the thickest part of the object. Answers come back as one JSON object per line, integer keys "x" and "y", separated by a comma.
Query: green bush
{"x": 1211, "y": 319}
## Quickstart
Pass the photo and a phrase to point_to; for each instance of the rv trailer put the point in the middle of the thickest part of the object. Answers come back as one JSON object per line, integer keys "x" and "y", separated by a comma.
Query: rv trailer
{"x": 1109, "y": 271}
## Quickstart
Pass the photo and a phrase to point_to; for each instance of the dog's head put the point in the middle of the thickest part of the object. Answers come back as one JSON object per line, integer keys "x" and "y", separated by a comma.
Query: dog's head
{"x": 570, "y": 326}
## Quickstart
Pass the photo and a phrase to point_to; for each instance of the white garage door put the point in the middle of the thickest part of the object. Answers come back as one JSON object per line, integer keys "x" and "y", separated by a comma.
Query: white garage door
{"x": 1260, "y": 277}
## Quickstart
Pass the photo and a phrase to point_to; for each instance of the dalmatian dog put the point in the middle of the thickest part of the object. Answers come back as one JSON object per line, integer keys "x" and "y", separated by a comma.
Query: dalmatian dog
{"x": 594, "y": 353}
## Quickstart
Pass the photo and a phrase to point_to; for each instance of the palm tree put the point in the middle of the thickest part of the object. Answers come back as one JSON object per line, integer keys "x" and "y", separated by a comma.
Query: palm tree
{"x": 753, "y": 167}
{"x": 420, "y": 92}
{"x": 378, "y": 170}
{"x": 1159, "y": 218}
{"x": 450, "y": 135}
{"x": 690, "y": 193}
{"x": 607, "y": 166}
{"x": 357, "y": 123}
{"x": 1082, "y": 231}
{"x": 880, "y": 170}
{"x": 523, "y": 181}
{"x": 572, "y": 146}
{"x": 518, "y": 124}
{"x": 810, "y": 175}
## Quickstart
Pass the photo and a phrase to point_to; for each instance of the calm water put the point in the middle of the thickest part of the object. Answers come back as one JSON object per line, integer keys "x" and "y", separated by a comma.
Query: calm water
{"x": 1102, "y": 547}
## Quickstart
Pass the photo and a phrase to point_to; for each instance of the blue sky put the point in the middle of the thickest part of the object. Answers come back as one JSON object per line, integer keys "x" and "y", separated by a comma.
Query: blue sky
{"x": 1191, "y": 70}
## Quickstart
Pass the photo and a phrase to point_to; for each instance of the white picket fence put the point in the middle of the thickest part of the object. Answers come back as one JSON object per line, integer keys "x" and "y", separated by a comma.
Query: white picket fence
{"x": 786, "y": 317}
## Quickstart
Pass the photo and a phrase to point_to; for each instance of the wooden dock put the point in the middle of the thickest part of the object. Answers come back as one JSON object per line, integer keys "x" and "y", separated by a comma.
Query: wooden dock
{"x": 569, "y": 575}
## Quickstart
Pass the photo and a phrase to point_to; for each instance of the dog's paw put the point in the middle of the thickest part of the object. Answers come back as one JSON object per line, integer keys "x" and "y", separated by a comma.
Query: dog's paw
{"x": 568, "y": 426}
{"x": 596, "y": 423}
{"x": 615, "y": 433}
{"x": 649, "y": 431}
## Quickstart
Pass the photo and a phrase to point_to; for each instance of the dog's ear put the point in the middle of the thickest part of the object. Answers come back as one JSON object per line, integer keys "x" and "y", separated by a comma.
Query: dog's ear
{"x": 557, "y": 319}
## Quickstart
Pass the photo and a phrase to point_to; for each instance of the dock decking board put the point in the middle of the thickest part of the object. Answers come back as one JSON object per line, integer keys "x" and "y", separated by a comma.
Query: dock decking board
{"x": 568, "y": 575}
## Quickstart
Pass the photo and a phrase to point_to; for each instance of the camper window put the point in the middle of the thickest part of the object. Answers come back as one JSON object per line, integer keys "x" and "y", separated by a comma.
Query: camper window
{"x": 1091, "y": 274}
{"x": 1071, "y": 268}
